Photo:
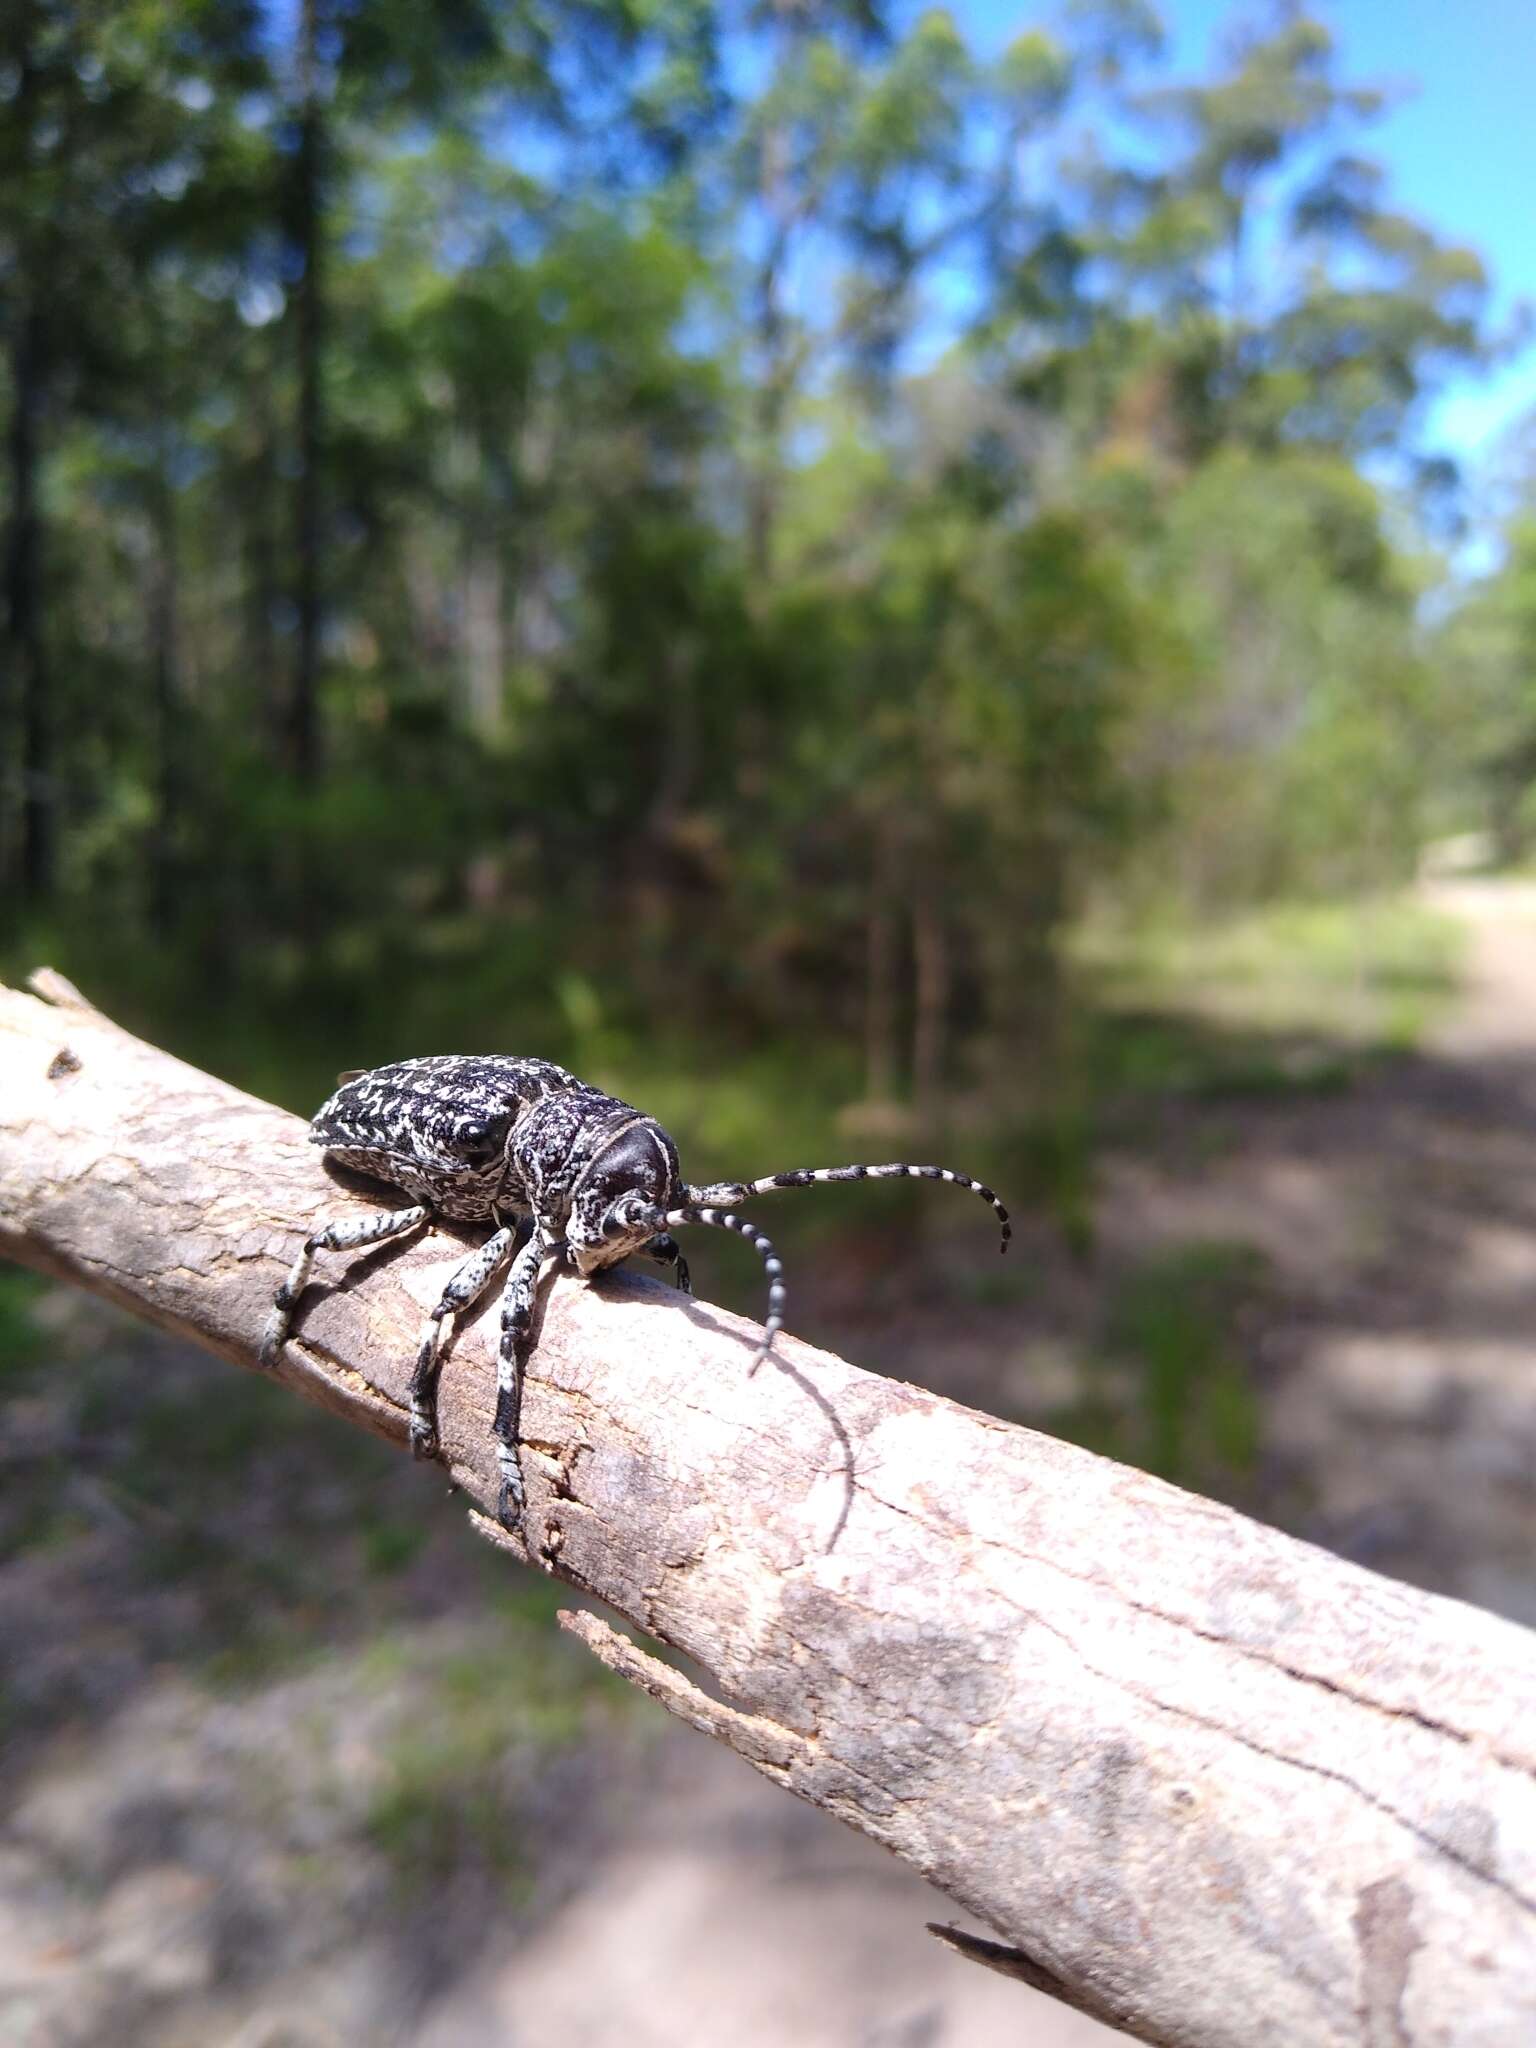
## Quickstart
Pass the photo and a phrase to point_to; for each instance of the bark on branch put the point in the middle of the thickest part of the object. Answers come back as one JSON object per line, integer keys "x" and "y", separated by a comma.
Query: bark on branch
{"x": 1203, "y": 1781}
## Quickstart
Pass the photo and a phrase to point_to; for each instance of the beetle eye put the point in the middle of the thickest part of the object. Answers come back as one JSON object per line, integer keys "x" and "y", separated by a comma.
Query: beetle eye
{"x": 477, "y": 1143}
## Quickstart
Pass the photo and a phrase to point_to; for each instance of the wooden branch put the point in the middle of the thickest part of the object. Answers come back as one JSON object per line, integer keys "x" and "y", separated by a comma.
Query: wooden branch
{"x": 1207, "y": 1783}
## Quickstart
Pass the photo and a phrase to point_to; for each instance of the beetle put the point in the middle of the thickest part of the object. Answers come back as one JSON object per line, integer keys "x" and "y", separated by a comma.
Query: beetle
{"x": 493, "y": 1138}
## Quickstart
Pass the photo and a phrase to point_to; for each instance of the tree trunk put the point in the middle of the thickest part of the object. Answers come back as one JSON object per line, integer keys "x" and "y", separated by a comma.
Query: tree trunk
{"x": 1027, "y": 990}
{"x": 880, "y": 973}
{"x": 25, "y": 707}
{"x": 309, "y": 226}
{"x": 930, "y": 959}
{"x": 768, "y": 408}
{"x": 484, "y": 638}
{"x": 263, "y": 553}
{"x": 24, "y": 610}
{"x": 1207, "y": 1783}
{"x": 164, "y": 609}
{"x": 771, "y": 399}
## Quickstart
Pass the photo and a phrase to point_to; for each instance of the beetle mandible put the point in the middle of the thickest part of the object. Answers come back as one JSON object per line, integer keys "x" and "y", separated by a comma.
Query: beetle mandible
{"x": 491, "y": 1137}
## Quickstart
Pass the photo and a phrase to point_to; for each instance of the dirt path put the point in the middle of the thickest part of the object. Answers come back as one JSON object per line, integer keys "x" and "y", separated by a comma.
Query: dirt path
{"x": 732, "y": 1914}
{"x": 1396, "y": 1349}
{"x": 1495, "y": 1020}
{"x": 1411, "y": 1408}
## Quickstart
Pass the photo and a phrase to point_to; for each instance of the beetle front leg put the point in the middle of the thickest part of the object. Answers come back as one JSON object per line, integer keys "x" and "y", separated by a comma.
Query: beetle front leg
{"x": 466, "y": 1284}
{"x": 512, "y": 1359}
{"x": 349, "y": 1236}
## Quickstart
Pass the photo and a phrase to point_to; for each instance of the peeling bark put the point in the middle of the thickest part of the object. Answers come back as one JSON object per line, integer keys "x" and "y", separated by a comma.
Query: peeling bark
{"x": 1203, "y": 1781}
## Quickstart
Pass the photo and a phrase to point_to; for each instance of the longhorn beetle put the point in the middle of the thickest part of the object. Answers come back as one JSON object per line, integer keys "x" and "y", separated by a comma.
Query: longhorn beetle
{"x": 483, "y": 1139}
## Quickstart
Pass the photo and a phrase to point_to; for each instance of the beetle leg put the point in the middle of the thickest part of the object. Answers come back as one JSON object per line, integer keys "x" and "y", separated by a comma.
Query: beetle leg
{"x": 516, "y": 1343}
{"x": 466, "y": 1284}
{"x": 665, "y": 1251}
{"x": 348, "y": 1236}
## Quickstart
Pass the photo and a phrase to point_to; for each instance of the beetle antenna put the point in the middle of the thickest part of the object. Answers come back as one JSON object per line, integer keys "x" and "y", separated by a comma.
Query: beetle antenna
{"x": 773, "y": 1322}
{"x": 802, "y": 1177}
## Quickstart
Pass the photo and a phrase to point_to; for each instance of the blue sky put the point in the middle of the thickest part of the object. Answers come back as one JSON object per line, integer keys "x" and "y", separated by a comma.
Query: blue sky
{"x": 1460, "y": 146}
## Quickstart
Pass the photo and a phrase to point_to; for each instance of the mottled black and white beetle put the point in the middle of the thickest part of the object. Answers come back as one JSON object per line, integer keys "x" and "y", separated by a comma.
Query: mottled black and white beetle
{"x": 484, "y": 1139}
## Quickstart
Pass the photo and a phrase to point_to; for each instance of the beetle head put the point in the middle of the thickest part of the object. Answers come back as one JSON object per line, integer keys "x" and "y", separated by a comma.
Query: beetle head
{"x": 621, "y": 1199}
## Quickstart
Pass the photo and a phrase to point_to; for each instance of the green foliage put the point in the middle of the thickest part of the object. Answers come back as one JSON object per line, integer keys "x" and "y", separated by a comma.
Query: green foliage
{"x": 771, "y": 515}
{"x": 21, "y": 1342}
{"x": 1191, "y": 1414}
{"x": 1175, "y": 1319}
{"x": 1293, "y": 998}
{"x": 482, "y": 1723}
{"x": 1487, "y": 648}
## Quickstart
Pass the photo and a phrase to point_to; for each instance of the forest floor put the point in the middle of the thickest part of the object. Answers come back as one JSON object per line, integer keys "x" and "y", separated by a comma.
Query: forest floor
{"x": 253, "y": 1804}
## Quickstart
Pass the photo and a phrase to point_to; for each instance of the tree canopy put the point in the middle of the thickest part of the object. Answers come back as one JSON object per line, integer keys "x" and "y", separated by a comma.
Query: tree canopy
{"x": 682, "y": 513}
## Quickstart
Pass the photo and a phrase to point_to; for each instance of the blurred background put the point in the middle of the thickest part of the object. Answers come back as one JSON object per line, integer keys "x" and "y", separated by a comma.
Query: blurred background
{"x": 881, "y": 582}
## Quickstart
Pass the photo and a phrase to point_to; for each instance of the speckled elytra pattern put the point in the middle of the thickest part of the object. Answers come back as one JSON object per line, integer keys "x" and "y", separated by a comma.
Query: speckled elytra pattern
{"x": 490, "y": 1138}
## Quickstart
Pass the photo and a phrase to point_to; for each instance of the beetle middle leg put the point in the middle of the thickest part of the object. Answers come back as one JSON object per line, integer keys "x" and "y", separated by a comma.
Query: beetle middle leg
{"x": 516, "y": 1344}
{"x": 466, "y": 1284}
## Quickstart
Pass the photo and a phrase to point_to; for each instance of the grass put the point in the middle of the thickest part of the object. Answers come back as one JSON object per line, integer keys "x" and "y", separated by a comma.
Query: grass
{"x": 21, "y": 1338}
{"x": 1169, "y": 1389}
{"x": 1299, "y": 1000}
{"x": 478, "y": 1729}
{"x": 1295, "y": 997}
{"x": 258, "y": 1543}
